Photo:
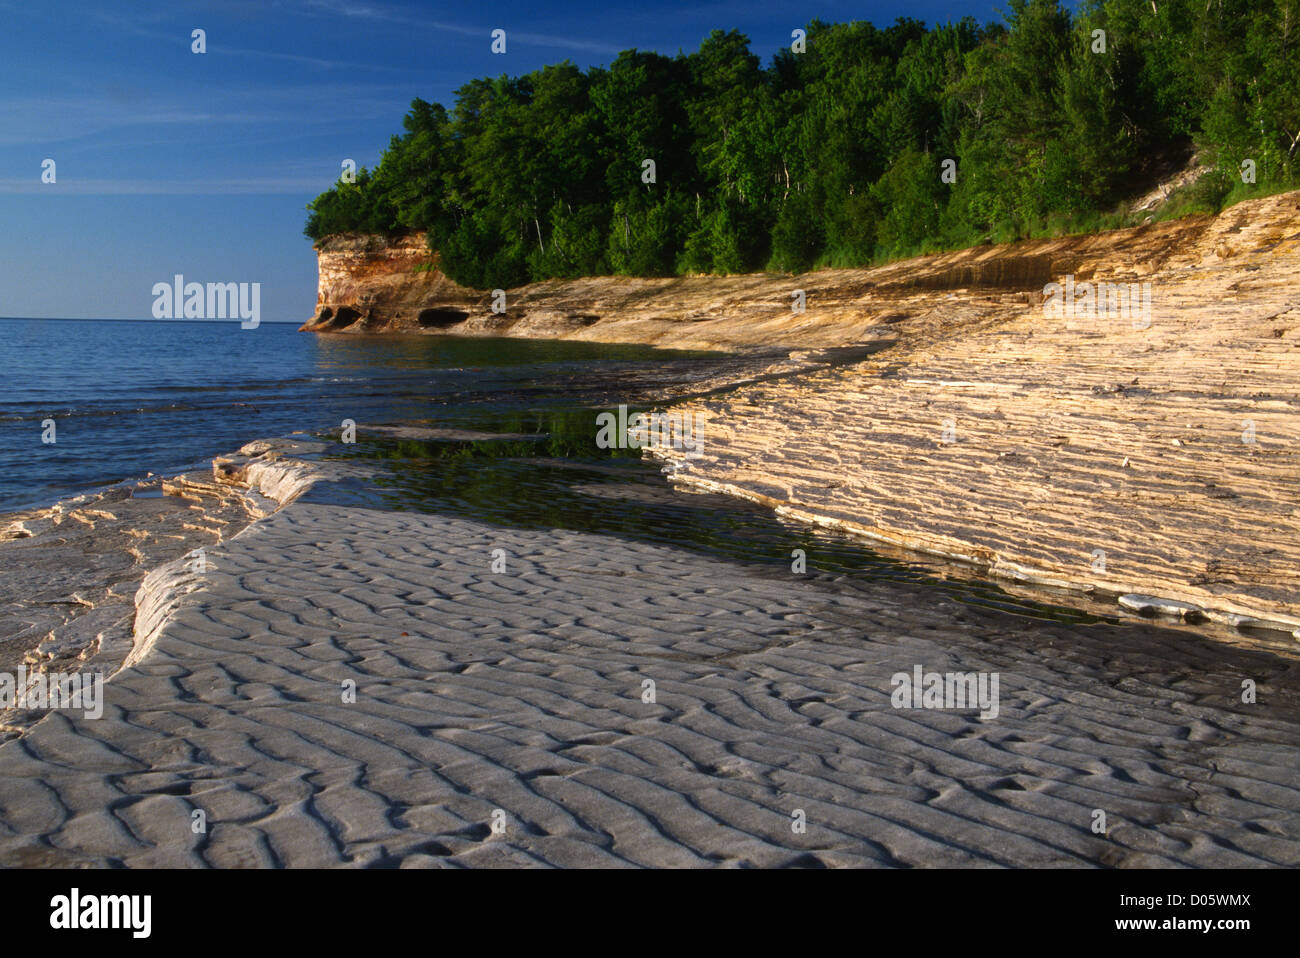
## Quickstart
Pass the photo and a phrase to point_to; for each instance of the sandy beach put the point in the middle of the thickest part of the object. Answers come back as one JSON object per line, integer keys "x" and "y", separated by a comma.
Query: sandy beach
{"x": 502, "y": 718}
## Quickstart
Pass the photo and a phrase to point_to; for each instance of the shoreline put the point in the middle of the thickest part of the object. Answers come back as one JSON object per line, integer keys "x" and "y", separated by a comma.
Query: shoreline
{"x": 67, "y": 612}
{"x": 80, "y": 593}
{"x": 981, "y": 356}
{"x": 1091, "y": 411}
{"x": 343, "y": 685}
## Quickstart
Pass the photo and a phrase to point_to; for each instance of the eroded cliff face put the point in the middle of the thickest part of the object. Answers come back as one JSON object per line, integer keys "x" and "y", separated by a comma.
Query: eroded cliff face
{"x": 370, "y": 284}
{"x": 373, "y": 284}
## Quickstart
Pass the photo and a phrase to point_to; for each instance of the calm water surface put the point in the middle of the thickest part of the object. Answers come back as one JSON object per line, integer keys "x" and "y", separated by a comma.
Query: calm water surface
{"x": 130, "y": 398}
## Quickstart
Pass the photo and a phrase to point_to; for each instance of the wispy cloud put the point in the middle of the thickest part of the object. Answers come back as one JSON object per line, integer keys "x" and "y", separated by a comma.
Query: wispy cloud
{"x": 258, "y": 186}
{"x": 219, "y": 50}
{"x": 346, "y": 8}
{"x": 216, "y": 48}
{"x": 376, "y": 12}
{"x": 53, "y": 119}
{"x": 60, "y": 118}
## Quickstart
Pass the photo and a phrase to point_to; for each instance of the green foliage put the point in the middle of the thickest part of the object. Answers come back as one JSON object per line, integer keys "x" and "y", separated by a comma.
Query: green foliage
{"x": 833, "y": 156}
{"x": 575, "y": 243}
{"x": 1206, "y": 195}
{"x": 912, "y": 197}
{"x": 799, "y": 235}
{"x": 645, "y": 235}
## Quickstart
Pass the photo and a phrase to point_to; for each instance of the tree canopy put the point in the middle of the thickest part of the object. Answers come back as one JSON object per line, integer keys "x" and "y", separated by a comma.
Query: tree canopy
{"x": 833, "y": 154}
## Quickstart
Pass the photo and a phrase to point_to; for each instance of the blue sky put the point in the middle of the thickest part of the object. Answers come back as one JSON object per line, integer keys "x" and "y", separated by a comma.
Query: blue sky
{"x": 173, "y": 162}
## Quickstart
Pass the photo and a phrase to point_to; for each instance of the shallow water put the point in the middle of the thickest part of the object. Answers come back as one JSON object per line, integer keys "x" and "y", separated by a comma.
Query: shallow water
{"x": 564, "y": 487}
{"x": 129, "y": 398}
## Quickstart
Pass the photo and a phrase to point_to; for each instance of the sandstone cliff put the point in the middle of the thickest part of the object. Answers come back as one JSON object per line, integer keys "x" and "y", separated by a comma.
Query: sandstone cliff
{"x": 369, "y": 284}
{"x": 1096, "y": 454}
{"x": 384, "y": 284}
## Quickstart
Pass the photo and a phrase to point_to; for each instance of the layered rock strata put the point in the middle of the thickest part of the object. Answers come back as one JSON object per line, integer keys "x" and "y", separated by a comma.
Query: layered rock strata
{"x": 1150, "y": 450}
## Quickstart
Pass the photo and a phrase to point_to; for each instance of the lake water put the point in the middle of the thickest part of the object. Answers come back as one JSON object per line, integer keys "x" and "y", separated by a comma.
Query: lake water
{"x": 131, "y": 398}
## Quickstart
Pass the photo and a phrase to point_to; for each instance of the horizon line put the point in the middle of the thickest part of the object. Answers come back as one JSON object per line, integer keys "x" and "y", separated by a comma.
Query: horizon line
{"x": 116, "y": 319}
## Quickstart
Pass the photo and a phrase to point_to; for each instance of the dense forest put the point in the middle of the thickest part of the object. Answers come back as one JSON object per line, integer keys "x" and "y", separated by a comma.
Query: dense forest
{"x": 834, "y": 155}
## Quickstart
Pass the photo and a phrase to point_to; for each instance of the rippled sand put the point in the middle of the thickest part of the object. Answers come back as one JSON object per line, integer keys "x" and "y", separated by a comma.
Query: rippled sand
{"x": 517, "y": 698}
